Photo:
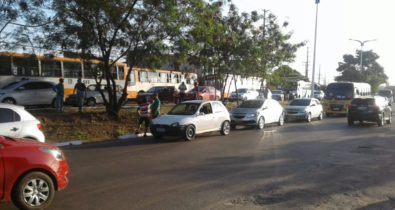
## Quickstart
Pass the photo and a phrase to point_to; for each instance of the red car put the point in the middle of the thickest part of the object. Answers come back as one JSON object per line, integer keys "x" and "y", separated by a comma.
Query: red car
{"x": 204, "y": 93}
{"x": 31, "y": 172}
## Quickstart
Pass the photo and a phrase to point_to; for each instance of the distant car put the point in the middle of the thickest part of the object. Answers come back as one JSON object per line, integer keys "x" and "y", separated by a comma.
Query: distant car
{"x": 165, "y": 93}
{"x": 31, "y": 172}
{"x": 193, "y": 117}
{"x": 16, "y": 122}
{"x": 319, "y": 94}
{"x": 257, "y": 113}
{"x": 28, "y": 92}
{"x": 304, "y": 109}
{"x": 93, "y": 95}
{"x": 204, "y": 93}
{"x": 388, "y": 94}
{"x": 278, "y": 95}
{"x": 243, "y": 94}
{"x": 370, "y": 109}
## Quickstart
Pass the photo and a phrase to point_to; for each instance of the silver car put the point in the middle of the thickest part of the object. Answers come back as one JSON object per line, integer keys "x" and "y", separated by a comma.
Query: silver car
{"x": 93, "y": 95}
{"x": 257, "y": 113}
{"x": 28, "y": 92}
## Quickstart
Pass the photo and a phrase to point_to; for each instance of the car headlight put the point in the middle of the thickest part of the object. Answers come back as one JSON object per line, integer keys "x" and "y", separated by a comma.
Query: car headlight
{"x": 56, "y": 153}
{"x": 251, "y": 115}
{"x": 175, "y": 124}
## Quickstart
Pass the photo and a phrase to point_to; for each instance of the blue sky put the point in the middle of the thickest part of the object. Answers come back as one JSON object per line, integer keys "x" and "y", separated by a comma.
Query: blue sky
{"x": 338, "y": 21}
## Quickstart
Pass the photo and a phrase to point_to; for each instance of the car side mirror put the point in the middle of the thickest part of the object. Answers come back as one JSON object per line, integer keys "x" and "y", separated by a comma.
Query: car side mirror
{"x": 312, "y": 105}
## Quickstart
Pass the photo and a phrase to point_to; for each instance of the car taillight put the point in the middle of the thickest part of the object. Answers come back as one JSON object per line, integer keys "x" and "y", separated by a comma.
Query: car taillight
{"x": 40, "y": 127}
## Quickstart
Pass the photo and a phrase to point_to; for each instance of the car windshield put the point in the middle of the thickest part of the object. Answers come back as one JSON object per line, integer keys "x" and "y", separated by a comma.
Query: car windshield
{"x": 151, "y": 90}
{"x": 363, "y": 101}
{"x": 300, "y": 102}
{"x": 184, "y": 109}
{"x": 10, "y": 85}
{"x": 91, "y": 88}
{"x": 242, "y": 90}
{"x": 251, "y": 104}
{"x": 385, "y": 93}
{"x": 339, "y": 90}
{"x": 277, "y": 92}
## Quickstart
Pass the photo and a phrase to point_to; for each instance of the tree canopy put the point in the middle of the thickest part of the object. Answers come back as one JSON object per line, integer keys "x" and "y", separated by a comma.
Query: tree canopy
{"x": 372, "y": 72}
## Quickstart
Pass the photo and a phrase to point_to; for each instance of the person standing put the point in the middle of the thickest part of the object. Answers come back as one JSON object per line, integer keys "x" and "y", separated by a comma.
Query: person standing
{"x": 80, "y": 88}
{"x": 155, "y": 107}
{"x": 196, "y": 89}
{"x": 144, "y": 115}
{"x": 182, "y": 89}
{"x": 59, "y": 89}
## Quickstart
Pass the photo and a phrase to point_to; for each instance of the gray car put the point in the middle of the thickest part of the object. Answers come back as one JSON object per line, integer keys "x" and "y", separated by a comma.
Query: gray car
{"x": 93, "y": 95}
{"x": 28, "y": 92}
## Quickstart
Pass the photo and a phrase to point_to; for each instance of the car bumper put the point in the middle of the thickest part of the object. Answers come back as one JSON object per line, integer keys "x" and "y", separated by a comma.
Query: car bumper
{"x": 371, "y": 117}
{"x": 243, "y": 121}
{"x": 296, "y": 116}
{"x": 62, "y": 175}
{"x": 166, "y": 130}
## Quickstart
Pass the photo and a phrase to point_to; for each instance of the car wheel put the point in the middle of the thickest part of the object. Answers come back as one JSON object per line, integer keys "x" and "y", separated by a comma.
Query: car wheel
{"x": 389, "y": 121}
{"x": 380, "y": 121}
{"x": 308, "y": 119}
{"x": 350, "y": 121}
{"x": 9, "y": 101}
{"x": 261, "y": 123}
{"x": 281, "y": 120}
{"x": 225, "y": 128}
{"x": 34, "y": 191}
{"x": 321, "y": 116}
{"x": 190, "y": 133}
{"x": 91, "y": 102}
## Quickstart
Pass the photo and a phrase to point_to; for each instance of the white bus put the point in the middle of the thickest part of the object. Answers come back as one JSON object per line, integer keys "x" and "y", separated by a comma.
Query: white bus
{"x": 300, "y": 89}
{"x": 229, "y": 85}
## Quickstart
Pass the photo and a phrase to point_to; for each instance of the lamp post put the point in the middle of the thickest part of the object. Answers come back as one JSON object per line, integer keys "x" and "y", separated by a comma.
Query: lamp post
{"x": 315, "y": 44}
{"x": 362, "y": 43}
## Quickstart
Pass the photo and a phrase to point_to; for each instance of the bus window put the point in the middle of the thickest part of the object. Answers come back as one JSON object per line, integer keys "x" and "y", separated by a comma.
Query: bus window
{"x": 5, "y": 65}
{"x": 143, "y": 76}
{"x": 113, "y": 71}
{"x": 173, "y": 78}
{"x": 90, "y": 70}
{"x": 163, "y": 77}
{"x": 26, "y": 66}
{"x": 121, "y": 73}
{"x": 51, "y": 68}
{"x": 132, "y": 80}
{"x": 72, "y": 70}
{"x": 153, "y": 77}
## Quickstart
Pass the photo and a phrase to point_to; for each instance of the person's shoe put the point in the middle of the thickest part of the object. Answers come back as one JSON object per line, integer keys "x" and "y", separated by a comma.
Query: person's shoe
{"x": 145, "y": 135}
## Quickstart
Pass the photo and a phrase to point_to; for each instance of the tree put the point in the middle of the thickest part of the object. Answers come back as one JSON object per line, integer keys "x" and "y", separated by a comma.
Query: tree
{"x": 282, "y": 76}
{"x": 140, "y": 31}
{"x": 372, "y": 72}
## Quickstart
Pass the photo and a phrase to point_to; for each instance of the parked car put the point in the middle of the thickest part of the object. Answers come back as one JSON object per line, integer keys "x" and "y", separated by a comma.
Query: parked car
{"x": 93, "y": 95}
{"x": 388, "y": 94}
{"x": 304, "y": 109}
{"x": 16, "y": 122}
{"x": 31, "y": 172}
{"x": 193, "y": 117}
{"x": 370, "y": 109}
{"x": 319, "y": 94}
{"x": 204, "y": 93}
{"x": 28, "y": 92}
{"x": 165, "y": 93}
{"x": 278, "y": 95}
{"x": 243, "y": 94}
{"x": 257, "y": 113}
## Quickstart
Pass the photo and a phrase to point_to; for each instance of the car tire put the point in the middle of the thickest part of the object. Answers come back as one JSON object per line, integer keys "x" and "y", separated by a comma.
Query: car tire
{"x": 321, "y": 116}
{"x": 261, "y": 123}
{"x": 281, "y": 120}
{"x": 190, "y": 133}
{"x": 225, "y": 128}
{"x": 350, "y": 121}
{"x": 389, "y": 121}
{"x": 91, "y": 102}
{"x": 42, "y": 196}
{"x": 9, "y": 101}
{"x": 380, "y": 121}
{"x": 308, "y": 119}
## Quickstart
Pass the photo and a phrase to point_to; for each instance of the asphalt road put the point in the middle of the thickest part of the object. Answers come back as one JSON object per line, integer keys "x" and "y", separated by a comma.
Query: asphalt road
{"x": 320, "y": 165}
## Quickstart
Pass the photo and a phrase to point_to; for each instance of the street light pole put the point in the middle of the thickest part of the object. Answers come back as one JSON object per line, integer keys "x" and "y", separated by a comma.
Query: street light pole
{"x": 362, "y": 43}
{"x": 315, "y": 44}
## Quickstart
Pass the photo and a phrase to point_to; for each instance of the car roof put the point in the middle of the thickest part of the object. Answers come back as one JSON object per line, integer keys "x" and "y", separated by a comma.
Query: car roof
{"x": 11, "y": 106}
{"x": 193, "y": 101}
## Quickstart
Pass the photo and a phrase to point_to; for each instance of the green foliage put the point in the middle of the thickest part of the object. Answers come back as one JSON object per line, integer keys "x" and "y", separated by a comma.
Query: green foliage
{"x": 282, "y": 76}
{"x": 372, "y": 72}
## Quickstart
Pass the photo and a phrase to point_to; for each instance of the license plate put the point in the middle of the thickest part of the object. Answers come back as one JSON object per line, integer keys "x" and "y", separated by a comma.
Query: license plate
{"x": 335, "y": 109}
{"x": 362, "y": 108}
{"x": 160, "y": 130}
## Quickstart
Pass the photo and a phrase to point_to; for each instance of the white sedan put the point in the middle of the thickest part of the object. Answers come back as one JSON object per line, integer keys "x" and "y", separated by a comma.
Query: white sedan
{"x": 16, "y": 122}
{"x": 190, "y": 118}
{"x": 304, "y": 109}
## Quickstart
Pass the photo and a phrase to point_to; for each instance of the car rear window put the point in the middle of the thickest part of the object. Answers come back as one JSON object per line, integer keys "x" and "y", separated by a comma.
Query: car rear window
{"x": 363, "y": 101}
{"x": 251, "y": 104}
{"x": 8, "y": 115}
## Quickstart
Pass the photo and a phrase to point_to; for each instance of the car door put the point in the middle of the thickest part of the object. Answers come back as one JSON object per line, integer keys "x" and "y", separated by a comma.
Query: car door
{"x": 45, "y": 92}
{"x": 277, "y": 110}
{"x": 10, "y": 124}
{"x": 2, "y": 178}
{"x": 205, "y": 118}
{"x": 267, "y": 112}
{"x": 315, "y": 109}
{"x": 26, "y": 94}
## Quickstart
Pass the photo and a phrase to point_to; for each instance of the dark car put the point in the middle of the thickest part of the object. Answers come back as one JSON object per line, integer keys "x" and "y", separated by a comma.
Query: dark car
{"x": 370, "y": 109}
{"x": 165, "y": 93}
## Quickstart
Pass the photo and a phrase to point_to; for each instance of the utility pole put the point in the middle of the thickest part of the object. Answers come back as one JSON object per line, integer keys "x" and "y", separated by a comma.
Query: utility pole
{"x": 306, "y": 74}
{"x": 263, "y": 38}
{"x": 319, "y": 76}
{"x": 315, "y": 45}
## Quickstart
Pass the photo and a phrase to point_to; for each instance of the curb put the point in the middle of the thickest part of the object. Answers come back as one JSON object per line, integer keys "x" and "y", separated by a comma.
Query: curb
{"x": 68, "y": 143}
{"x": 132, "y": 136}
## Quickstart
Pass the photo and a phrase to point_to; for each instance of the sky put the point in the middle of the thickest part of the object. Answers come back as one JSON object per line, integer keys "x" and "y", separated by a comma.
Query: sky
{"x": 338, "y": 21}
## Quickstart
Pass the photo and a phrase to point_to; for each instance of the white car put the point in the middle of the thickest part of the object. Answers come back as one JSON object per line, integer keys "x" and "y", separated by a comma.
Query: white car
{"x": 16, "y": 122}
{"x": 304, "y": 109}
{"x": 244, "y": 94}
{"x": 257, "y": 113}
{"x": 319, "y": 94}
{"x": 190, "y": 118}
